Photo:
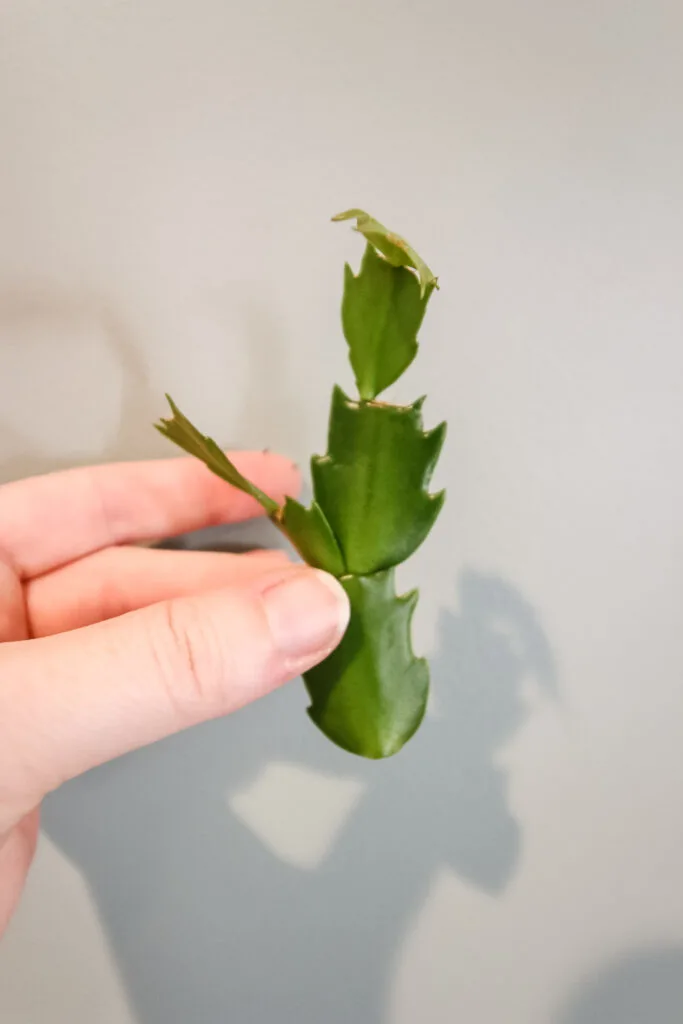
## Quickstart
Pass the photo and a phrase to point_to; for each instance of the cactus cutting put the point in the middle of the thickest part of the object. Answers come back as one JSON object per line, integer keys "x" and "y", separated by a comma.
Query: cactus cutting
{"x": 371, "y": 505}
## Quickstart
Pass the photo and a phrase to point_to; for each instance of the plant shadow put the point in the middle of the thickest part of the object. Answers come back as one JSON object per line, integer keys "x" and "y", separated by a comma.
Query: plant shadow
{"x": 643, "y": 987}
{"x": 207, "y": 922}
{"x": 205, "y": 919}
{"x": 53, "y": 312}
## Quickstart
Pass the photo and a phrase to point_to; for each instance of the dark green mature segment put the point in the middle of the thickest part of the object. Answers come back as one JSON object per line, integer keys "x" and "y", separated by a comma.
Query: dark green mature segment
{"x": 382, "y": 311}
{"x": 372, "y": 484}
{"x": 369, "y": 696}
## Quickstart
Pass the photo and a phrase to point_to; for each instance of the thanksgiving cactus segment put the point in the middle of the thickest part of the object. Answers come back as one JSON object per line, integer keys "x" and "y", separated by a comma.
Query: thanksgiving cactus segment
{"x": 306, "y": 528}
{"x": 179, "y": 430}
{"x": 382, "y": 311}
{"x": 372, "y": 484}
{"x": 311, "y": 534}
{"x": 370, "y": 694}
{"x": 372, "y": 507}
{"x": 395, "y": 249}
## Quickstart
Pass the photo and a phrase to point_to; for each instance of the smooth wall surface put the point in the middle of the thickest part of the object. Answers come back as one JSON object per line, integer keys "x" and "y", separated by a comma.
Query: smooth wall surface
{"x": 167, "y": 177}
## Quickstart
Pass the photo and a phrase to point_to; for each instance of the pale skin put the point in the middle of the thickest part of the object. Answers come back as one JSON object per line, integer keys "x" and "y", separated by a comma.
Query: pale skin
{"x": 106, "y": 646}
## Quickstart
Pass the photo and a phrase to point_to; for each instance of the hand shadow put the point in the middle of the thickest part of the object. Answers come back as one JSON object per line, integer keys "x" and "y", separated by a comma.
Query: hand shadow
{"x": 58, "y": 314}
{"x": 207, "y": 925}
{"x": 644, "y": 987}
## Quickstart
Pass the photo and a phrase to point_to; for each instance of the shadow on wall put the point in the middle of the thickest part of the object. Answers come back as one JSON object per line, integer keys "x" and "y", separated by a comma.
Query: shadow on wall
{"x": 207, "y": 923}
{"x": 205, "y": 919}
{"x": 34, "y": 320}
{"x": 31, "y": 313}
{"x": 644, "y": 987}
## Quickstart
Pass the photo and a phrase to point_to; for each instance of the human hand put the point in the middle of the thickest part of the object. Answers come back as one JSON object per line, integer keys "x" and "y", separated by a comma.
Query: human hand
{"x": 105, "y": 647}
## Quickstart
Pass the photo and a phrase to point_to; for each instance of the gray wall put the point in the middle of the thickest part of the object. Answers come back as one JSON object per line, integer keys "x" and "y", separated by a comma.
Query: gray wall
{"x": 167, "y": 176}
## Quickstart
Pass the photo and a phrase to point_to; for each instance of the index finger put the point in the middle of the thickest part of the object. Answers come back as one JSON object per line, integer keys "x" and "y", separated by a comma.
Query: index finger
{"x": 47, "y": 521}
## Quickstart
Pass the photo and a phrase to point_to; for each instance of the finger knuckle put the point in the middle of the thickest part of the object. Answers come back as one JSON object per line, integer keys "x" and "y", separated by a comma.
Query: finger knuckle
{"x": 192, "y": 663}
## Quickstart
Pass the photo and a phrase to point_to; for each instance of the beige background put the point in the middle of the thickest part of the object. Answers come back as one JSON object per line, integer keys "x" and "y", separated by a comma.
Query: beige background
{"x": 167, "y": 176}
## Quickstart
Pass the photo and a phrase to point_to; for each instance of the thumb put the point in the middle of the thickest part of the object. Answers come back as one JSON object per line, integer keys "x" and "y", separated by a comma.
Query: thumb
{"x": 72, "y": 701}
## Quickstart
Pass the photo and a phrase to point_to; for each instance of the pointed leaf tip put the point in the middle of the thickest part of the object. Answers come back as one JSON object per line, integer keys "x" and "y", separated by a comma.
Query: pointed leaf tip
{"x": 348, "y": 215}
{"x": 183, "y": 433}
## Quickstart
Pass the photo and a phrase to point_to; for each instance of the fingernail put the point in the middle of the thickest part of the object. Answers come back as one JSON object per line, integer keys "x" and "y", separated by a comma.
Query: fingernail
{"x": 307, "y": 613}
